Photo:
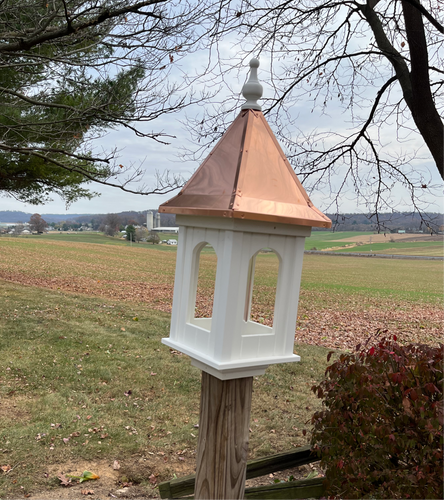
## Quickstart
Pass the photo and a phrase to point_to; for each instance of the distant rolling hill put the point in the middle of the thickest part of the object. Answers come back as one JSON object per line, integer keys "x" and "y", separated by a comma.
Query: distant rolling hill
{"x": 17, "y": 216}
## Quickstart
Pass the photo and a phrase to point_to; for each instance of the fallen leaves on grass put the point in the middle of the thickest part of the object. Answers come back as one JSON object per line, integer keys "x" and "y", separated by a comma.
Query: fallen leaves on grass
{"x": 158, "y": 295}
{"x": 5, "y": 468}
{"x": 125, "y": 484}
{"x": 64, "y": 480}
{"x": 341, "y": 322}
{"x": 344, "y": 327}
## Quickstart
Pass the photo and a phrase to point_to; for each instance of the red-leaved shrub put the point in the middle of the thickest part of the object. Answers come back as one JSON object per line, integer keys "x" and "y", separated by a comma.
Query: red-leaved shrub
{"x": 380, "y": 434}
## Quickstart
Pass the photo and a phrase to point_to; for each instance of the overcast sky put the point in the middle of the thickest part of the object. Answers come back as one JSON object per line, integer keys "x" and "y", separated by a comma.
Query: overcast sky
{"x": 156, "y": 157}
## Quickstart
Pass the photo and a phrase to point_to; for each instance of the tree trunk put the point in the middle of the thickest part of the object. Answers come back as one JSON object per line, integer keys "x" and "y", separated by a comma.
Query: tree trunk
{"x": 423, "y": 108}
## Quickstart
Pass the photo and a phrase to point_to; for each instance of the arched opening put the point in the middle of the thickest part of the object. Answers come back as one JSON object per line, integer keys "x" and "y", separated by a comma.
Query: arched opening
{"x": 205, "y": 279}
{"x": 261, "y": 287}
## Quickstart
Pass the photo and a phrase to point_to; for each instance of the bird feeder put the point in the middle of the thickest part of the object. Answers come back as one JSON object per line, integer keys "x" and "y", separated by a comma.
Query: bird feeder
{"x": 245, "y": 197}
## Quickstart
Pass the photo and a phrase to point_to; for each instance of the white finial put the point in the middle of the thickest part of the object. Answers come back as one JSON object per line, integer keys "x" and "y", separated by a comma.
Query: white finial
{"x": 252, "y": 90}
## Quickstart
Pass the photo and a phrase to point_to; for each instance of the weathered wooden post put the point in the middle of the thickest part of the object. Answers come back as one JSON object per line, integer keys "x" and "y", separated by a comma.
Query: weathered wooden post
{"x": 243, "y": 198}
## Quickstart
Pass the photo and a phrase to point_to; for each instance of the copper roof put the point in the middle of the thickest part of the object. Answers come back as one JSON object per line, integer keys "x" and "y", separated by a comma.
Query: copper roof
{"x": 247, "y": 176}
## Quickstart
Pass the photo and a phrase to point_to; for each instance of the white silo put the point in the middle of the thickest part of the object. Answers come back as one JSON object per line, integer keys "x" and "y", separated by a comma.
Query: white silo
{"x": 149, "y": 221}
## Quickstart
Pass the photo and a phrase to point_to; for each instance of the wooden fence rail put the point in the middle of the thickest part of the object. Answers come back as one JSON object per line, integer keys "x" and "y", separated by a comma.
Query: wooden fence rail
{"x": 307, "y": 488}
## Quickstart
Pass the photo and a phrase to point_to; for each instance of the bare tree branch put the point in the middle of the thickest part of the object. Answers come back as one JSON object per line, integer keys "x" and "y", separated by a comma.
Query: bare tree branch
{"x": 70, "y": 28}
{"x": 352, "y": 62}
{"x": 70, "y": 70}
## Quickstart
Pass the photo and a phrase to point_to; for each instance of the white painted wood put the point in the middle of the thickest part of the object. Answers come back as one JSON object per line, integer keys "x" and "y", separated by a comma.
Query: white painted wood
{"x": 252, "y": 90}
{"x": 247, "y": 226}
{"x": 226, "y": 345}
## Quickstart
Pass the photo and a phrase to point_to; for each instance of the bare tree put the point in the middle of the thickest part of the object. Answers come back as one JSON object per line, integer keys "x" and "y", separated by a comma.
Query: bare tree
{"x": 37, "y": 223}
{"x": 141, "y": 233}
{"x": 112, "y": 224}
{"x": 72, "y": 69}
{"x": 153, "y": 238}
{"x": 18, "y": 229}
{"x": 376, "y": 65}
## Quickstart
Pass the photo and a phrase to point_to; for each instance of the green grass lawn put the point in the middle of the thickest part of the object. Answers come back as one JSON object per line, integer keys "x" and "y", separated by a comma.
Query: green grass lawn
{"x": 319, "y": 240}
{"x": 420, "y": 281}
{"x": 326, "y": 239}
{"x": 98, "y": 238}
{"x": 426, "y": 248}
{"x": 80, "y": 237}
{"x": 88, "y": 378}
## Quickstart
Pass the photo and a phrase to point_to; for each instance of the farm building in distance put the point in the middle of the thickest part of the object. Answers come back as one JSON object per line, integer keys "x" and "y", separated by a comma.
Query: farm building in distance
{"x": 166, "y": 229}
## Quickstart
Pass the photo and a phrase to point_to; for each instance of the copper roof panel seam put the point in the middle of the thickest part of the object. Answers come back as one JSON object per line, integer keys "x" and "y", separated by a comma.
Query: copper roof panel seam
{"x": 261, "y": 165}
{"x": 252, "y": 115}
{"x": 246, "y": 114}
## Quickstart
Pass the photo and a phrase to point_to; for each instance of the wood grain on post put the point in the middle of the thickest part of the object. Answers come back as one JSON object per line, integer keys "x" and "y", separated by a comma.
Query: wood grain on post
{"x": 223, "y": 437}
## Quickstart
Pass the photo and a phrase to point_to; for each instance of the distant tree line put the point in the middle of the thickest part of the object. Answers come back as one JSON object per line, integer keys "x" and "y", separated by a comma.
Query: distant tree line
{"x": 132, "y": 228}
{"x": 125, "y": 218}
{"x": 341, "y": 222}
{"x": 93, "y": 221}
{"x": 409, "y": 222}
{"x": 131, "y": 225}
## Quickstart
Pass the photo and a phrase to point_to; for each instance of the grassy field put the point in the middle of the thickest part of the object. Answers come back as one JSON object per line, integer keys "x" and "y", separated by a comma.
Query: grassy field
{"x": 392, "y": 244}
{"x": 81, "y": 237}
{"x": 422, "y": 248}
{"x": 115, "y": 269}
{"x": 84, "y": 379}
{"x": 98, "y": 238}
{"x": 384, "y": 278}
{"x": 319, "y": 240}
